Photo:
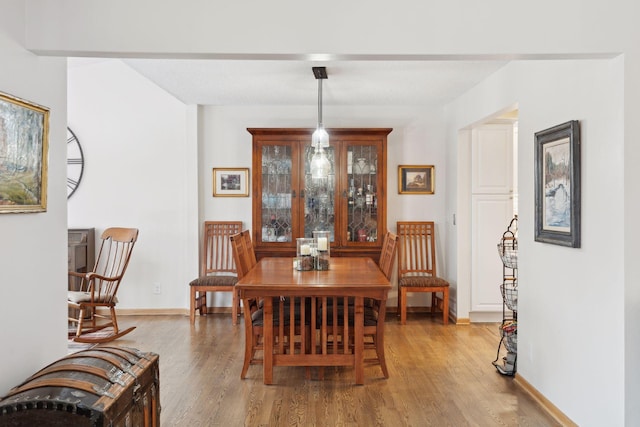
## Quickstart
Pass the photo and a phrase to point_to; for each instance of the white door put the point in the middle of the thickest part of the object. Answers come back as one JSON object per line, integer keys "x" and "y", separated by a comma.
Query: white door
{"x": 492, "y": 208}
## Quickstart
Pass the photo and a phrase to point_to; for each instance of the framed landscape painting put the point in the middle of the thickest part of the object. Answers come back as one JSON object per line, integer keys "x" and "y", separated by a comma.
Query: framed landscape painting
{"x": 24, "y": 139}
{"x": 557, "y": 185}
{"x": 416, "y": 179}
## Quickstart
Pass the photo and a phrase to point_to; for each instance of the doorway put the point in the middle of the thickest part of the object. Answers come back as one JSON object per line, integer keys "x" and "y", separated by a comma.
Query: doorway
{"x": 487, "y": 175}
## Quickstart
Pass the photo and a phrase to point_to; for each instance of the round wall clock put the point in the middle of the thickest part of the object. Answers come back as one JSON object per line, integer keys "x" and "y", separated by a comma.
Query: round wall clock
{"x": 75, "y": 163}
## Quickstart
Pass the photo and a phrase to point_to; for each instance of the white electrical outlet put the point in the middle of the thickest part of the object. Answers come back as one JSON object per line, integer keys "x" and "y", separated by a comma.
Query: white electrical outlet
{"x": 157, "y": 289}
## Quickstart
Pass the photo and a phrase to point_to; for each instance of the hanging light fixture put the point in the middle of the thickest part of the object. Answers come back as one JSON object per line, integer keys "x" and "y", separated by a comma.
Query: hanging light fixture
{"x": 320, "y": 165}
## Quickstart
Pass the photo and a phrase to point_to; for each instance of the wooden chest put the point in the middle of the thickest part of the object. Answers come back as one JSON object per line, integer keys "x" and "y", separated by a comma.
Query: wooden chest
{"x": 102, "y": 386}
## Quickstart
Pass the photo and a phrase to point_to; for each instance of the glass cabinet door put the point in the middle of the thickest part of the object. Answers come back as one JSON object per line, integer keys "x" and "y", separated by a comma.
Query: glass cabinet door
{"x": 319, "y": 196}
{"x": 277, "y": 187}
{"x": 362, "y": 186}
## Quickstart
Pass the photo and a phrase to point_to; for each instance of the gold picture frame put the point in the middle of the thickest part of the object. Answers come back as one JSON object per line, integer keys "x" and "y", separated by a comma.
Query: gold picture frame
{"x": 230, "y": 182}
{"x": 416, "y": 179}
{"x": 24, "y": 145}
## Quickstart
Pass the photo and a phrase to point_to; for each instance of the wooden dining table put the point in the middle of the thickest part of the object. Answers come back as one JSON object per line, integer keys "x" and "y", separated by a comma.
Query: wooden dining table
{"x": 354, "y": 277}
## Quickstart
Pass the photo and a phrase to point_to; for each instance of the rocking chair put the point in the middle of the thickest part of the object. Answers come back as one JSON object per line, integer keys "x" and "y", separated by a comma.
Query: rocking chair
{"x": 98, "y": 289}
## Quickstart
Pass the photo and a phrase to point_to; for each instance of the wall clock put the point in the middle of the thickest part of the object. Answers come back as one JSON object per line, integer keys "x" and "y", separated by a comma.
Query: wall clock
{"x": 75, "y": 163}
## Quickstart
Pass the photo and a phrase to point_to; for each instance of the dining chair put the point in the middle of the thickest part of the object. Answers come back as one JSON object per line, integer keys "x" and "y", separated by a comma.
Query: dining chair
{"x": 374, "y": 314}
{"x": 217, "y": 268}
{"x": 92, "y": 307}
{"x": 245, "y": 259}
{"x": 386, "y": 262}
{"x": 244, "y": 263}
{"x": 417, "y": 267}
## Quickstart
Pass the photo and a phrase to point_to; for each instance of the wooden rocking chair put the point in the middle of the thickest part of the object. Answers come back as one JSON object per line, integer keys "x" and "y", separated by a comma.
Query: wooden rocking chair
{"x": 98, "y": 288}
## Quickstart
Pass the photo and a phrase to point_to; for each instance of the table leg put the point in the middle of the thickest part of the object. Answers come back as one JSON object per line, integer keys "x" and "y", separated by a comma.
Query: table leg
{"x": 267, "y": 367}
{"x": 358, "y": 333}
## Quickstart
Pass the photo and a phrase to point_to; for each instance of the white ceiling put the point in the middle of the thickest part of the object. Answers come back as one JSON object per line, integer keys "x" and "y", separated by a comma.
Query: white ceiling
{"x": 291, "y": 82}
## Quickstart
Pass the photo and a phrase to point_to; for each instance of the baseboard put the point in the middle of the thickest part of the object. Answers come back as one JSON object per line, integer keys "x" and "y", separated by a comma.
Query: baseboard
{"x": 546, "y": 405}
{"x": 150, "y": 311}
{"x": 393, "y": 311}
{"x": 227, "y": 310}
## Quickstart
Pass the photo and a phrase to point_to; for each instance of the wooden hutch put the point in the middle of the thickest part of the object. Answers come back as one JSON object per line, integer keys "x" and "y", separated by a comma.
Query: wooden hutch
{"x": 350, "y": 203}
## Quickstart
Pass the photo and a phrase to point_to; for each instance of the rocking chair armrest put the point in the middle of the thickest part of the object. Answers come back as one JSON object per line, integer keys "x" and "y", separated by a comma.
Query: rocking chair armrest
{"x": 77, "y": 274}
{"x": 92, "y": 276}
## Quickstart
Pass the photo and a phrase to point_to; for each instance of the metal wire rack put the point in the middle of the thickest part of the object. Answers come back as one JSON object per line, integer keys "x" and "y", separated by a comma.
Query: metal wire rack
{"x": 508, "y": 251}
{"x": 510, "y": 295}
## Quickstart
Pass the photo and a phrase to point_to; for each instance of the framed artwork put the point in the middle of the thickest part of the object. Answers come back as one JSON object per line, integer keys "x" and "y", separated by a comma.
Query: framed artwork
{"x": 416, "y": 179}
{"x": 24, "y": 144}
{"x": 557, "y": 185}
{"x": 231, "y": 182}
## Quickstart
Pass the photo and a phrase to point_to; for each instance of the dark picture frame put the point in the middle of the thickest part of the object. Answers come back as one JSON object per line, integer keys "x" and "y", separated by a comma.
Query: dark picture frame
{"x": 230, "y": 182}
{"x": 24, "y": 145}
{"x": 416, "y": 179}
{"x": 557, "y": 185}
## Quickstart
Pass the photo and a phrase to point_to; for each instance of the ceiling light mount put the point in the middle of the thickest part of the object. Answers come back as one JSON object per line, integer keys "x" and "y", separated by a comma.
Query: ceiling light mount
{"x": 320, "y": 165}
{"x": 320, "y": 72}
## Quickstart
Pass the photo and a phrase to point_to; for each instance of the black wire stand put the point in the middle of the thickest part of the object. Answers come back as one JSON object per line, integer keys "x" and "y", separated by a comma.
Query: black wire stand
{"x": 507, "y": 354}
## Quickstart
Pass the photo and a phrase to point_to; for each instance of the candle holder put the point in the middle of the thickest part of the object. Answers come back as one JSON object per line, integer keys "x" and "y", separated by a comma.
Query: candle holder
{"x": 306, "y": 247}
{"x": 323, "y": 245}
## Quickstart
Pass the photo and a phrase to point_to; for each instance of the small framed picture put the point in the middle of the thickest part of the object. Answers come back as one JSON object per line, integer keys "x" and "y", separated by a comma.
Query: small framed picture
{"x": 416, "y": 179}
{"x": 231, "y": 182}
{"x": 557, "y": 185}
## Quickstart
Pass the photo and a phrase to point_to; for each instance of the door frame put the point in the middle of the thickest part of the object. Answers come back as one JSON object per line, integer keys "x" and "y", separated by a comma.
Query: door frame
{"x": 463, "y": 220}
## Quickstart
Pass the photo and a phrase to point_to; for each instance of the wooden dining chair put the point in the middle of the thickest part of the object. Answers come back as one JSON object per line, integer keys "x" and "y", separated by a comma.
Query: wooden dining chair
{"x": 245, "y": 259}
{"x": 217, "y": 268}
{"x": 242, "y": 254}
{"x": 386, "y": 262}
{"x": 93, "y": 306}
{"x": 417, "y": 267}
{"x": 374, "y": 314}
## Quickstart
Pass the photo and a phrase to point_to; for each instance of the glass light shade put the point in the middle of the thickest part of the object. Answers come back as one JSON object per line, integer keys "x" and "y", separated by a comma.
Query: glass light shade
{"x": 320, "y": 138}
{"x": 320, "y": 164}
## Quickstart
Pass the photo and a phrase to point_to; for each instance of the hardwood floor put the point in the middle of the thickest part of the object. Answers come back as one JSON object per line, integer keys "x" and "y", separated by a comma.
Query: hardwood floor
{"x": 439, "y": 376}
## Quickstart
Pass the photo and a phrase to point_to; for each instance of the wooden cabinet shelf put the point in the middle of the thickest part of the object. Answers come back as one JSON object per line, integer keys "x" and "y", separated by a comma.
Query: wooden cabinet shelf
{"x": 288, "y": 203}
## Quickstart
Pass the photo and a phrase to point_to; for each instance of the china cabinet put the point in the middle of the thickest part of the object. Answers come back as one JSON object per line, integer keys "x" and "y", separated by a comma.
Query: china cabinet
{"x": 288, "y": 203}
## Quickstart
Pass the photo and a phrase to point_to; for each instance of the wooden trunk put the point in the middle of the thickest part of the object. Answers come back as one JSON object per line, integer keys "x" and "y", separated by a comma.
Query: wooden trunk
{"x": 102, "y": 386}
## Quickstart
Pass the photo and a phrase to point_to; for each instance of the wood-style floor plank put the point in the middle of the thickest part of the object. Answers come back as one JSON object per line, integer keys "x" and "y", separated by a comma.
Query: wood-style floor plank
{"x": 439, "y": 376}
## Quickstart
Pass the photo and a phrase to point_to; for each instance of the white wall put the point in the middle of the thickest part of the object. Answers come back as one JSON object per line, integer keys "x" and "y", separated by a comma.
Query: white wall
{"x": 33, "y": 261}
{"x": 571, "y": 353}
{"x": 226, "y": 143}
{"x": 139, "y": 172}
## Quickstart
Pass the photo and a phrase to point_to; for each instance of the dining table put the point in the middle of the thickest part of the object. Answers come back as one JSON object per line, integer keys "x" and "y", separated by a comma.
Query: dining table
{"x": 353, "y": 279}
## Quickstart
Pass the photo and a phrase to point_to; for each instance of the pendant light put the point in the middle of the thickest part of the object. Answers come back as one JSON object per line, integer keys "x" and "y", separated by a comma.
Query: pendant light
{"x": 320, "y": 165}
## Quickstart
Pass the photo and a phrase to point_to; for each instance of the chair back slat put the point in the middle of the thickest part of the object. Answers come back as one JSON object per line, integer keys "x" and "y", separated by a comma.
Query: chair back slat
{"x": 217, "y": 255}
{"x": 388, "y": 253}
{"x": 243, "y": 253}
{"x": 112, "y": 260}
{"x": 248, "y": 245}
{"x": 416, "y": 248}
